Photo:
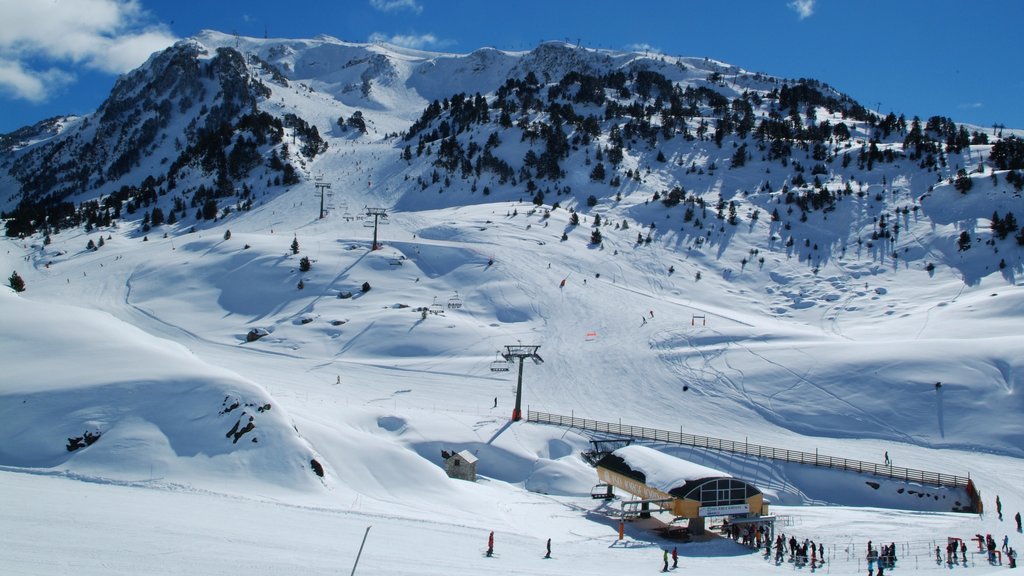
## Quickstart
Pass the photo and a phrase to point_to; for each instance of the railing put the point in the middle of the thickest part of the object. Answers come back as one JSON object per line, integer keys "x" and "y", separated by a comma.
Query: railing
{"x": 813, "y": 459}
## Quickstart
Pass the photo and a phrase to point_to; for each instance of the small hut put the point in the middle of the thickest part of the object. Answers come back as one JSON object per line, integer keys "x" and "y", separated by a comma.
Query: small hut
{"x": 461, "y": 465}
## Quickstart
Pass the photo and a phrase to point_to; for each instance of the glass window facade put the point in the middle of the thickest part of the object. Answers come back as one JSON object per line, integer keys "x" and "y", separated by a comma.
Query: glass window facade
{"x": 722, "y": 492}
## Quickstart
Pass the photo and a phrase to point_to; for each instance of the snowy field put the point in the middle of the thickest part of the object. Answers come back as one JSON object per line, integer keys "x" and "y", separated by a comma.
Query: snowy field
{"x": 145, "y": 341}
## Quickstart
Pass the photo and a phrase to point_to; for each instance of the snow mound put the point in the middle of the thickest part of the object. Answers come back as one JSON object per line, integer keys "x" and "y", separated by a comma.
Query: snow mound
{"x": 130, "y": 406}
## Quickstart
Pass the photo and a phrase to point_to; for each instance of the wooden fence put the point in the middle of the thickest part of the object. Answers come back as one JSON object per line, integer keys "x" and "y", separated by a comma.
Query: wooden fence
{"x": 809, "y": 458}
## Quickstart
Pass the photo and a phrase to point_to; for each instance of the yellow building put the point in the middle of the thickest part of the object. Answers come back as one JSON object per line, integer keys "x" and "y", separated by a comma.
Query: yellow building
{"x": 685, "y": 489}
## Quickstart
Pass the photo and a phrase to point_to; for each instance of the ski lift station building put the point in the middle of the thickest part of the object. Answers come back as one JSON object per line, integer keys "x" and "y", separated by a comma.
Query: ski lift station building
{"x": 685, "y": 489}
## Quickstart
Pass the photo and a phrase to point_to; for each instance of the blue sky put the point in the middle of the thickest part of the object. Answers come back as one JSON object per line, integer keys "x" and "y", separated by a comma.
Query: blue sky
{"x": 918, "y": 57}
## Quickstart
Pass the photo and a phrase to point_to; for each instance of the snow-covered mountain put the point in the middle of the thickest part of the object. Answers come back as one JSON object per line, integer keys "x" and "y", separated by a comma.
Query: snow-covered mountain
{"x": 807, "y": 274}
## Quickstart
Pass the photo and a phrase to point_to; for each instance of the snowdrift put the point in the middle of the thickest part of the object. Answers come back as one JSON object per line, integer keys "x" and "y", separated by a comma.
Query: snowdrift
{"x": 124, "y": 405}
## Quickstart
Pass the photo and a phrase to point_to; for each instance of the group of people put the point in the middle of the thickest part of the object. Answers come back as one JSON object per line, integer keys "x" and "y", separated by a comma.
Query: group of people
{"x": 750, "y": 535}
{"x": 675, "y": 559}
{"x": 951, "y": 549}
{"x": 988, "y": 543}
{"x": 884, "y": 556}
{"x": 799, "y": 552}
{"x": 547, "y": 550}
{"x": 1011, "y": 554}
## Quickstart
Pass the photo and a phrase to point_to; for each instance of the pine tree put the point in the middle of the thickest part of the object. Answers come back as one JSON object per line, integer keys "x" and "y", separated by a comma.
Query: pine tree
{"x": 963, "y": 181}
{"x": 304, "y": 264}
{"x": 964, "y": 242}
{"x": 595, "y": 236}
{"x": 227, "y": 234}
{"x": 16, "y": 282}
{"x": 295, "y": 245}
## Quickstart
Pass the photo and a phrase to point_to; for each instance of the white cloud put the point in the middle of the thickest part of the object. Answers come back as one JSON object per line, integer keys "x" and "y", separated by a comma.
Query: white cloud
{"x": 643, "y": 48}
{"x": 107, "y": 35}
{"x": 410, "y": 41}
{"x": 33, "y": 86}
{"x": 803, "y": 7}
{"x": 970, "y": 105}
{"x": 393, "y": 5}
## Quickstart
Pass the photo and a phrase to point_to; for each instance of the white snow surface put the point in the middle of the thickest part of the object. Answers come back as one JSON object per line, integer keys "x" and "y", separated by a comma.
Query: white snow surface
{"x": 144, "y": 341}
{"x": 663, "y": 471}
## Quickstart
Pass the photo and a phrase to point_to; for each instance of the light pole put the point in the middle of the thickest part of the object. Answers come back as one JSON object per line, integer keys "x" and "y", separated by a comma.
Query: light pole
{"x": 522, "y": 352}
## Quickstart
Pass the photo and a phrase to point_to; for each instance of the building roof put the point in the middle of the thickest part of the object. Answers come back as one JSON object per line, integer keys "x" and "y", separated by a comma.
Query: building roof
{"x": 657, "y": 469}
{"x": 467, "y": 456}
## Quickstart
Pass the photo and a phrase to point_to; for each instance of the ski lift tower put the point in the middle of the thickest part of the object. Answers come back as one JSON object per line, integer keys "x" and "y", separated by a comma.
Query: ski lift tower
{"x": 522, "y": 352}
{"x": 379, "y": 216}
{"x": 321, "y": 186}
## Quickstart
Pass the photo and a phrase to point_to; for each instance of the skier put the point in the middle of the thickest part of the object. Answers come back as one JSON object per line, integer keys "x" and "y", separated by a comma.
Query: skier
{"x": 665, "y": 558}
{"x": 490, "y": 544}
{"x": 643, "y": 320}
{"x": 887, "y": 461}
{"x": 999, "y": 508}
{"x": 675, "y": 557}
{"x": 495, "y": 401}
{"x": 548, "y": 555}
{"x": 963, "y": 552}
{"x": 1006, "y": 542}
{"x": 1017, "y": 518}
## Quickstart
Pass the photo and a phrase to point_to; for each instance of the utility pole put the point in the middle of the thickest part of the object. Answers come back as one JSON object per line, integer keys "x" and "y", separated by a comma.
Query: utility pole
{"x": 320, "y": 187}
{"x": 380, "y": 216}
{"x": 522, "y": 352}
{"x": 360, "y": 553}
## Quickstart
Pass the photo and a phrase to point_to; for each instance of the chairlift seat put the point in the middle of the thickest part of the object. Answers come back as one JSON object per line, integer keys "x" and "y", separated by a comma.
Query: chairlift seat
{"x": 455, "y": 301}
